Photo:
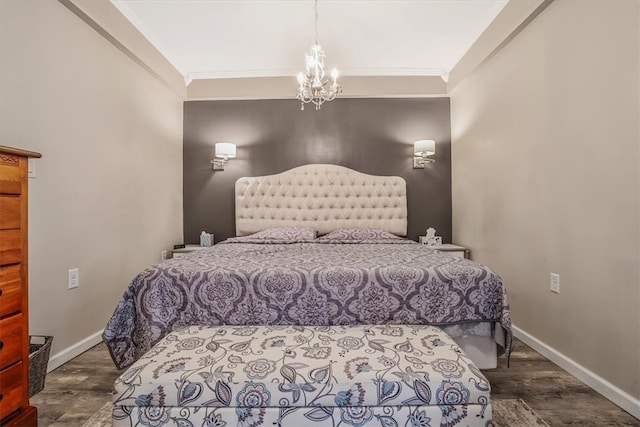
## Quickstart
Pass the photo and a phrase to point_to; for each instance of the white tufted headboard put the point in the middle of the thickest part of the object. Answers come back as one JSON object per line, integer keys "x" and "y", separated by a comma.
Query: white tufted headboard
{"x": 325, "y": 197}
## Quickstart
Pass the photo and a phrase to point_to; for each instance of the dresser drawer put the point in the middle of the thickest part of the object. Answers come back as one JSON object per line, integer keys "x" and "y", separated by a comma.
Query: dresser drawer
{"x": 10, "y": 174}
{"x": 12, "y": 389}
{"x": 10, "y": 290}
{"x": 10, "y": 340}
{"x": 10, "y": 247}
{"x": 9, "y": 212}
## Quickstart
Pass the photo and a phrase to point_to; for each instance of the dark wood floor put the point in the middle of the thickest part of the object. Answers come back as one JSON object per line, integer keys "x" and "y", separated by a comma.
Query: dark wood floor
{"x": 76, "y": 390}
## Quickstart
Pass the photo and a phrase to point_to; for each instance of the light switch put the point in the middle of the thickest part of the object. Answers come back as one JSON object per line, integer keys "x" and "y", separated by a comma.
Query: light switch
{"x": 31, "y": 167}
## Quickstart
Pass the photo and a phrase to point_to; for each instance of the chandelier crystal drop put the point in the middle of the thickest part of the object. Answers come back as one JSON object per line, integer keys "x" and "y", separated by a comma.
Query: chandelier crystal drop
{"x": 313, "y": 87}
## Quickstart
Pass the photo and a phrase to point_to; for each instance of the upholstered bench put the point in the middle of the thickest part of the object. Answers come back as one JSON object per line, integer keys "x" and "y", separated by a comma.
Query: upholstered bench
{"x": 388, "y": 375}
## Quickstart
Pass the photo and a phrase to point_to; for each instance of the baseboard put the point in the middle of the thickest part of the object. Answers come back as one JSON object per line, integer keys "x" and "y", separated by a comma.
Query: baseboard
{"x": 62, "y": 357}
{"x": 599, "y": 384}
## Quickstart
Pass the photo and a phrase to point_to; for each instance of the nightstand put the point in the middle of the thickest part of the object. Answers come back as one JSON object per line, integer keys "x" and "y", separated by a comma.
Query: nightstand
{"x": 182, "y": 252}
{"x": 453, "y": 250}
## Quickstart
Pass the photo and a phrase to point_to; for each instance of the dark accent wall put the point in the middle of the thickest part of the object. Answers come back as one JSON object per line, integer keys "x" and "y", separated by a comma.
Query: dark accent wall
{"x": 373, "y": 136}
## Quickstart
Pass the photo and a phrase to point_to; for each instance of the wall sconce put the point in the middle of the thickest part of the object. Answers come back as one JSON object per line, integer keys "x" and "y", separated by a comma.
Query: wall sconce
{"x": 421, "y": 150}
{"x": 224, "y": 152}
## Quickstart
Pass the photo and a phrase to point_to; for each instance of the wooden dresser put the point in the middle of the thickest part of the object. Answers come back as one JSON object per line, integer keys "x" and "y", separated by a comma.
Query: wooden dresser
{"x": 14, "y": 312}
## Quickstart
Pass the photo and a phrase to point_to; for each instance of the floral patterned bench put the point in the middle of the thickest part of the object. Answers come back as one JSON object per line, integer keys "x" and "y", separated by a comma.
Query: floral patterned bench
{"x": 384, "y": 375}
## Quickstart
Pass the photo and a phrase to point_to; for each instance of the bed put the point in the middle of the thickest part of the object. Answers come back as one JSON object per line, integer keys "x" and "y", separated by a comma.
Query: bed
{"x": 316, "y": 245}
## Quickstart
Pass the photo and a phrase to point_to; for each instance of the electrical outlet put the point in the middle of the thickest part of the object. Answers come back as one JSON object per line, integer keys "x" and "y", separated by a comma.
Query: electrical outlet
{"x": 555, "y": 283}
{"x": 163, "y": 255}
{"x": 73, "y": 278}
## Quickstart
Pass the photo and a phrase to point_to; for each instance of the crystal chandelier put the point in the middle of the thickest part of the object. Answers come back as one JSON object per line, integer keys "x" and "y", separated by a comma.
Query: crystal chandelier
{"x": 312, "y": 85}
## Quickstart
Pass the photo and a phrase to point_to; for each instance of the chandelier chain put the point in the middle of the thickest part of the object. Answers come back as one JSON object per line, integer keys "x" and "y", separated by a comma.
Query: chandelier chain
{"x": 315, "y": 10}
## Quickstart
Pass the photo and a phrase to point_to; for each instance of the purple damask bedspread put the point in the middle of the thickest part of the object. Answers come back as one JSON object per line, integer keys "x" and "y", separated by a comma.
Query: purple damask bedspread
{"x": 324, "y": 283}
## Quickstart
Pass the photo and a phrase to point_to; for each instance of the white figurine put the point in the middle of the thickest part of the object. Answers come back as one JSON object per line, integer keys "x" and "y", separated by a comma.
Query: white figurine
{"x": 431, "y": 239}
{"x": 431, "y": 232}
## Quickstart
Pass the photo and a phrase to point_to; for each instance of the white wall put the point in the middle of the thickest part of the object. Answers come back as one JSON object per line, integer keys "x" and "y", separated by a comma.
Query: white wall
{"x": 545, "y": 147}
{"x": 108, "y": 193}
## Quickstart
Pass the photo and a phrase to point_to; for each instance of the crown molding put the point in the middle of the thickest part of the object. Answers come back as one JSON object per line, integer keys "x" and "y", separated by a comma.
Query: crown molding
{"x": 143, "y": 29}
{"x": 511, "y": 20}
{"x": 285, "y": 87}
{"x": 111, "y": 24}
{"x": 290, "y": 72}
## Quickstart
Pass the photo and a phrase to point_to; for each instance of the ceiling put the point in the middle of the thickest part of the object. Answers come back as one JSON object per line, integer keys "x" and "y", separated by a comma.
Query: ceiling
{"x": 210, "y": 39}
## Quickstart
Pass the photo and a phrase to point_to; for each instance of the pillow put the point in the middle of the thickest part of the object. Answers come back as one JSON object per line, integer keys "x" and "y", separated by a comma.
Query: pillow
{"x": 359, "y": 234}
{"x": 278, "y": 235}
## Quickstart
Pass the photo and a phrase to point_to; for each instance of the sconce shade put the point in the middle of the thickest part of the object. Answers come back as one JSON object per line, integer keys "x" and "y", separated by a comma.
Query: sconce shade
{"x": 424, "y": 147}
{"x": 226, "y": 150}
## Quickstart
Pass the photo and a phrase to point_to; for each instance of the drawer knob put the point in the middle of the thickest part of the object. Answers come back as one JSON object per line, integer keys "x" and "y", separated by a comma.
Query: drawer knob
{"x": 0, "y": 292}
{"x": 1, "y": 344}
{"x": 0, "y": 398}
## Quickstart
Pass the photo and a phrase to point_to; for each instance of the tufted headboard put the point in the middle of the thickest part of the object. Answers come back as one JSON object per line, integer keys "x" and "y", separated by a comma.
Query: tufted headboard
{"x": 325, "y": 197}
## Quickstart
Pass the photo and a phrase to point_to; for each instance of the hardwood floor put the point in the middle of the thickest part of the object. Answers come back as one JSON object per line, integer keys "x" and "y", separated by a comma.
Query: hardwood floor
{"x": 554, "y": 394}
{"x": 76, "y": 390}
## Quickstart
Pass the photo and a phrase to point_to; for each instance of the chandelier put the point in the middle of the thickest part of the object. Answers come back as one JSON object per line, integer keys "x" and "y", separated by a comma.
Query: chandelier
{"x": 312, "y": 85}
